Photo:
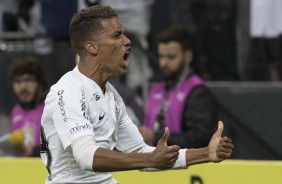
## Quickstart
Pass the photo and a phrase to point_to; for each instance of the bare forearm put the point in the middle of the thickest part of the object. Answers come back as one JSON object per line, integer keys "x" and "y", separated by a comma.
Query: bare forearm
{"x": 197, "y": 156}
{"x": 108, "y": 160}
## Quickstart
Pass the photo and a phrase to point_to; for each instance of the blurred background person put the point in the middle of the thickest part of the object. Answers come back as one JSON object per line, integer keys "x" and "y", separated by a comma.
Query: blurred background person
{"x": 265, "y": 57}
{"x": 182, "y": 102}
{"x": 29, "y": 86}
{"x": 212, "y": 25}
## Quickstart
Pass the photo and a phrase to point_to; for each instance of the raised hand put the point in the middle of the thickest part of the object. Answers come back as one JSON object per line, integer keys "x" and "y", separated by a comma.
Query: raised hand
{"x": 164, "y": 156}
{"x": 220, "y": 148}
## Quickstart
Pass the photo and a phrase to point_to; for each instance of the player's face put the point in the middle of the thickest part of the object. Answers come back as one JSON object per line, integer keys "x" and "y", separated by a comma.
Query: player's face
{"x": 113, "y": 47}
{"x": 171, "y": 59}
{"x": 25, "y": 87}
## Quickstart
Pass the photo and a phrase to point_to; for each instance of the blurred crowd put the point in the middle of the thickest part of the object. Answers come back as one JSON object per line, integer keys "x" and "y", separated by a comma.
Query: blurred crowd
{"x": 233, "y": 40}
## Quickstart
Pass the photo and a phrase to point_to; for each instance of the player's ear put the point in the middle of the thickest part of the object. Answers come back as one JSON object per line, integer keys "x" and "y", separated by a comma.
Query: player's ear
{"x": 91, "y": 47}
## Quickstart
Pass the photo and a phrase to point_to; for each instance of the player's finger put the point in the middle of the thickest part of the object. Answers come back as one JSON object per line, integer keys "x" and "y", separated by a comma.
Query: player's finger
{"x": 165, "y": 137}
{"x": 225, "y": 150}
{"x": 174, "y": 148}
{"x": 226, "y": 145}
{"x": 225, "y": 139}
{"x": 223, "y": 155}
{"x": 219, "y": 129}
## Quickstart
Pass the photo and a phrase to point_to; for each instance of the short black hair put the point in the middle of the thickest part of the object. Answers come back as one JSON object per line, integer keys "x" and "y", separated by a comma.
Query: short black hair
{"x": 87, "y": 23}
{"x": 27, "y": 65}
{"x": 176, "y": 33}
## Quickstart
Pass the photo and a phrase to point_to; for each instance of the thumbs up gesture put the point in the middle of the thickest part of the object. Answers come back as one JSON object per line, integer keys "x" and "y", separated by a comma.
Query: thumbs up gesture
{"x": 164, "y": 156}
{"x": 219, "y": 148}
{"x": 164, "y": 139}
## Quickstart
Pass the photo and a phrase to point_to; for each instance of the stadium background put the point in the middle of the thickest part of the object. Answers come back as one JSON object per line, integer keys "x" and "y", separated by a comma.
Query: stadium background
{"x": 251, "y": 110}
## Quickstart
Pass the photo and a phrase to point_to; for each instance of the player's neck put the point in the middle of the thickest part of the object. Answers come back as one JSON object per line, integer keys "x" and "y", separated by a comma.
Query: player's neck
{"x": 94, "y": 73}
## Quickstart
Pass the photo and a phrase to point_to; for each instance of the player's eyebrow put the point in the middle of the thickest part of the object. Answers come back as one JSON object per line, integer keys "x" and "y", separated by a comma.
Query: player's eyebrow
{"x": 118, "y": 32}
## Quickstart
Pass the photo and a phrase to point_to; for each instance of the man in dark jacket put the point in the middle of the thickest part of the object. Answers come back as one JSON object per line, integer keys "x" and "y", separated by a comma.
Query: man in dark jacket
{"x": 182, "y": 102}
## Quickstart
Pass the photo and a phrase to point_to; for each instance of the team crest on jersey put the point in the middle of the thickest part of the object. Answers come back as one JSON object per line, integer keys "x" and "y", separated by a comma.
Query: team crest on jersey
{"x": 96, "y": 96}
{"x": 117, "y": 110}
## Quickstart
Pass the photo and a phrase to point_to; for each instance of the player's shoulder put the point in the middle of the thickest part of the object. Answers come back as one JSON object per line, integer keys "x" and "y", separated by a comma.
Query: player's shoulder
{"x": 69, "y": 85}
{"x": 113, "y": 90}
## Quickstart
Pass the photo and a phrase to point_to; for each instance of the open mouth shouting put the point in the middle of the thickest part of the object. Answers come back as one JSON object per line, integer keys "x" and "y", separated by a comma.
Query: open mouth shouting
{"x": 126, "y": 56}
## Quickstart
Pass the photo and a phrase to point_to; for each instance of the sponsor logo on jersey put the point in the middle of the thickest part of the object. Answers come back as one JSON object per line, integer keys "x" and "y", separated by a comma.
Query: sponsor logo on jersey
{"x": 83, "y": 104}
{"x": 96, "y": 96}
{"x": 79, "y": 128}
{"x": 61, "y": 104}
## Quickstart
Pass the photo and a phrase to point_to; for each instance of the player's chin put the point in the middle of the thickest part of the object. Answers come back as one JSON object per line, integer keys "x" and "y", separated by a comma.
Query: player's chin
{"x": 122, "y": 71}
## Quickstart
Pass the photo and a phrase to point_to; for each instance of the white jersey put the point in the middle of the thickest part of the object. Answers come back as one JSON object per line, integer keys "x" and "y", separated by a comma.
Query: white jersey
{"x": 75, "y": 107}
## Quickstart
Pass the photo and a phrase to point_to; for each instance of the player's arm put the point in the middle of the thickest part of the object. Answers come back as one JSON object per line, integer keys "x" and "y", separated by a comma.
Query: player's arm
{"x": 103, "y": 160}
{"x": 164, "y": 157}
{"x": 218, "y": 149}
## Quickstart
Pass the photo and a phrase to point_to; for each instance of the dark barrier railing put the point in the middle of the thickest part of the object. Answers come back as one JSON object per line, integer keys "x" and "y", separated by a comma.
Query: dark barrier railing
{"x": 251, "y": 112}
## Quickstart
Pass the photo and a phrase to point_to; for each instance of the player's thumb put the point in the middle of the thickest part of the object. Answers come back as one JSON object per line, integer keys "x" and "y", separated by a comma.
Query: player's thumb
{"x": 220, "y": 128}
{"x": 165, "y": 137}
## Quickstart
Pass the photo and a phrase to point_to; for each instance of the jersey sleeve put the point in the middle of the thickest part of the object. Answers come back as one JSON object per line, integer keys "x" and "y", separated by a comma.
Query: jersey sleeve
{"x": 70, "y": 115}
{"x": 129, "y": 137}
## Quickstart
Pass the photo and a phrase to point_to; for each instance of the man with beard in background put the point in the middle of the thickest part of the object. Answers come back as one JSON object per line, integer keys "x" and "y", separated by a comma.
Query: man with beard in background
{"x": 182, "y": 102}
{"x": 29, "y": 86}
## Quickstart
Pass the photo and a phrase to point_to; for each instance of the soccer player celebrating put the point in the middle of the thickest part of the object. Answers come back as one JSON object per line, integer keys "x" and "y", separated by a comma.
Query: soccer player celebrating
{"x": 86, "y": 132}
